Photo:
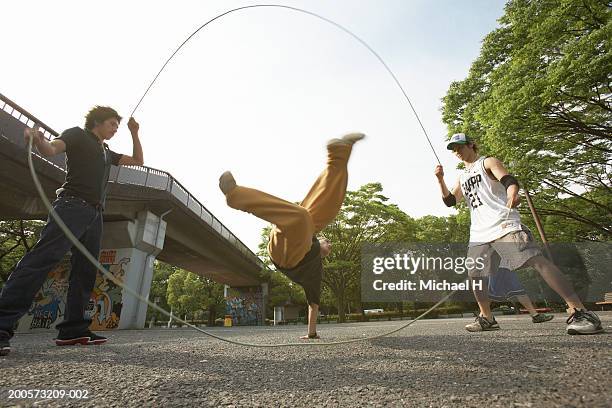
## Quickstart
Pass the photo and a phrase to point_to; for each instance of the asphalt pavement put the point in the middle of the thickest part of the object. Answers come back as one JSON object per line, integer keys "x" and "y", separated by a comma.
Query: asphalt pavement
{"x": 433, "y": 363}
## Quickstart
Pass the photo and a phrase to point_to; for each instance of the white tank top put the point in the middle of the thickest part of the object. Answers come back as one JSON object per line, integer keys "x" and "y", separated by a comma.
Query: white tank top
{"x": 486, "y": 198}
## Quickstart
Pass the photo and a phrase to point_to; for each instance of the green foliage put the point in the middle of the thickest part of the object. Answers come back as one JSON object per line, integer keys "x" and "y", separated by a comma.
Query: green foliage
{"x": 214, "y": 301}
{"x": 16, "y": 238}
{"x": 366, "y": 217}
{"x": 159, "y": 288}
{"x": 454, "y": 228}
{"x": 188, "y": 294}
{"x": 539, "y": 98}
{"x": 282, "y": 291}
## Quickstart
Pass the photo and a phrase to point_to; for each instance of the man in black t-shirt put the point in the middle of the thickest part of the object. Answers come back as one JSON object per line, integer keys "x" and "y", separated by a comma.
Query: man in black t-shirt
{"x": 80, "y": 204}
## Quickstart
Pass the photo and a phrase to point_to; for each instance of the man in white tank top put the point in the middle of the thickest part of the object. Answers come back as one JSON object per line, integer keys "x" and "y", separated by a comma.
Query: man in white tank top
{"x": 496, "y": 234}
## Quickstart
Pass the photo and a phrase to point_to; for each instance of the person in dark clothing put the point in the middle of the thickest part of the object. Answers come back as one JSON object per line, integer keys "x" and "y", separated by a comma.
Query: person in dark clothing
{"x": 294, "y": 247}
{"x": 80, "y": 204}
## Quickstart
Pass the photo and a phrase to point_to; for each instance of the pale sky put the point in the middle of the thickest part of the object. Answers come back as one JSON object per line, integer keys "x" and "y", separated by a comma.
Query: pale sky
{"x": 257, "y": 92}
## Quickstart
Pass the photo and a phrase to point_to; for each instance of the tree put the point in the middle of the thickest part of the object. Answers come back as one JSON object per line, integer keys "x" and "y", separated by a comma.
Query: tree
{"x": 186, "y": 293}
{"x": 213, "y": 298}
{"x": 16, "y": 238}
{"x": 159, "y": 287}
{"x": 451, "y": 229}
{"x": 366, "y": 217}
{"x": 539, "y": 98}
{"x": 190, "y": 293}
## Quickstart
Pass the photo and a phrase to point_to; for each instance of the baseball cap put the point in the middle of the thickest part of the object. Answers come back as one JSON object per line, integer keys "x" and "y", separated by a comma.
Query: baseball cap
{"x": 457, "y": 138}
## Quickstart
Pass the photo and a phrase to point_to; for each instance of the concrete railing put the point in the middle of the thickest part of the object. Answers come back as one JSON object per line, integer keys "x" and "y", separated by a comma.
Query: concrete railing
{"x": 129, "y": 175}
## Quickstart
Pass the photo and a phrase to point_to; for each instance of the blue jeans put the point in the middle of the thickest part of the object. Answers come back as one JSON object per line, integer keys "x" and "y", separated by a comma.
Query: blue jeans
{"x": 85, "y": 222}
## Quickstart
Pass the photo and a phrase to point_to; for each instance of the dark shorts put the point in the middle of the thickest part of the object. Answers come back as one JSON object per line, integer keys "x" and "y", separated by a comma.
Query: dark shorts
{"x": 308, "y": 273}
{"x": 504, "y": 284}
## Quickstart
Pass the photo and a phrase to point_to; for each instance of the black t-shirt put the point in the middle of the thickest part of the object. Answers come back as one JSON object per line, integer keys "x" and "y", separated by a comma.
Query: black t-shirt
{"x": 308, "y": 273}
{"x": 88, "y": 165}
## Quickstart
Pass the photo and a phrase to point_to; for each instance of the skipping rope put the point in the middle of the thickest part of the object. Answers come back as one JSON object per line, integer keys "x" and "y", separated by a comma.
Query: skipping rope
{"x": 127, "y": 289}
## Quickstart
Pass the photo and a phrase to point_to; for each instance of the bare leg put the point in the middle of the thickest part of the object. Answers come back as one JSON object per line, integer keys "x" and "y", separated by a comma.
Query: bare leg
{"x": 526, "y": 302}
{"x": 555, "y": 279}
{"x": 482, "y": 297}
{"x": 313, "y": 313}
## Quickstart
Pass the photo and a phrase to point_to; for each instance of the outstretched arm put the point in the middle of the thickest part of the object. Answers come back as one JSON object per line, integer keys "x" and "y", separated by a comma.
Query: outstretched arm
{"x": 137, "y": 157}
{"x": 44, "y": 147}
{"x": 450, "y": 198}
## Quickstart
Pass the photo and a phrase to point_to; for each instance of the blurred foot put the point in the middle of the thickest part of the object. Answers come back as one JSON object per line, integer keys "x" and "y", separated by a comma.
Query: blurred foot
{"x": 482, "y": 324}
{"x": 227, "y": 182}
{"x": 5, "y": 345}
{"x": 353, "y": 137}
{"x": 541, "y": 317}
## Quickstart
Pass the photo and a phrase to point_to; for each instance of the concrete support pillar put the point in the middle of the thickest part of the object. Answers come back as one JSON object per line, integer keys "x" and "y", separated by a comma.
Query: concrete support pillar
{"x": 129, "y": 251}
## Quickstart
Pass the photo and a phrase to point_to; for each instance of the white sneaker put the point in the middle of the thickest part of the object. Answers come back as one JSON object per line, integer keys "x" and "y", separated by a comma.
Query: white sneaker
{"x": 482, "y": 324}
{"x": 227, "y": 182}
{"x": 353, "y": 137}
{"x": 583, "y": 322}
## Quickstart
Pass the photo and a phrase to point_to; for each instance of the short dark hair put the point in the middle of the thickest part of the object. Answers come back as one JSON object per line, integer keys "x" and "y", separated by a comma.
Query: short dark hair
{"x": 474, "y": 146}
{"x": 99, "y": 114}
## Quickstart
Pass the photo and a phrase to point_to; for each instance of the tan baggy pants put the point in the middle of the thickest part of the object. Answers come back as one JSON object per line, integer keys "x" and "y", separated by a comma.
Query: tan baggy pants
{"x": 295, "y": 225}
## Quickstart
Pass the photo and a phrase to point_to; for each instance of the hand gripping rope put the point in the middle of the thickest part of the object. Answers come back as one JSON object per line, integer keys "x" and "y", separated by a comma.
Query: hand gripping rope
{"x": 112, "y": 278}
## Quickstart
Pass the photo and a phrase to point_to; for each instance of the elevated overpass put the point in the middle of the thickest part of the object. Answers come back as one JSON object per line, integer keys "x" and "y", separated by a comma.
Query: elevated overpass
{"x": 195, "y": 239}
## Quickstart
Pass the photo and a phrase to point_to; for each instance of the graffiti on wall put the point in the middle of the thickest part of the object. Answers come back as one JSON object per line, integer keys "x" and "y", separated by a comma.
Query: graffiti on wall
{"x": 104, "y": 306}
{"x": 245, "y": 305}
{"x": 49, "y": 303}
{"x": 106, "y": 301}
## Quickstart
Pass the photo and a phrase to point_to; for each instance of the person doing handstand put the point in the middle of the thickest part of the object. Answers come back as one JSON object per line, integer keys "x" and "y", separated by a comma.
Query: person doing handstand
{"x": 294, "y": 247}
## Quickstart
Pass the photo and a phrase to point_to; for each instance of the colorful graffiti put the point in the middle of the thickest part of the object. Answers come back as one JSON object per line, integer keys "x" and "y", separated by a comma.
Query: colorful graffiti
{"x": 107, "y": 297}
{"x": 49, "y": 303}
{"x": 245, "y": 305}
{"x": 104, "y": 307}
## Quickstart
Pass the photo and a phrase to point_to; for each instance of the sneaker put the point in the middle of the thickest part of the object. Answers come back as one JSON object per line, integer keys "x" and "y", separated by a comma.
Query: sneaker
{"x": 482, "y": 324}
{"x": 541, "y": 317}
{"x": 353, "y": 137}
{"x": 583, "y": 322}
{"x": 5, "y": 345}
{"x": 309, "y": 336}
{"x": 88, "y": 338}
{"x": 227, "y": 182}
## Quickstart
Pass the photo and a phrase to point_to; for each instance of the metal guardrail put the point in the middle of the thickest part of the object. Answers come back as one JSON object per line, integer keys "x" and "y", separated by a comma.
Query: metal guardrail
{"x": 139, "y": 176}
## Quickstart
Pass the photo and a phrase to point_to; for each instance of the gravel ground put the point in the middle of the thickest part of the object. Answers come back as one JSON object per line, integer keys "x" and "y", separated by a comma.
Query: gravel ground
{"x": 433, "y": 363}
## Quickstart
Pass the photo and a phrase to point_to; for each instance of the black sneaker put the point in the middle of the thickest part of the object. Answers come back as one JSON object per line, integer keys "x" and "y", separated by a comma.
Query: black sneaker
{"x": 5, "y": 345}
{"x": 583, "y": 322}
{"x": 541, "y": 317}
{"x": 482, "y": 324}
{"x": 87, "y": 338}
